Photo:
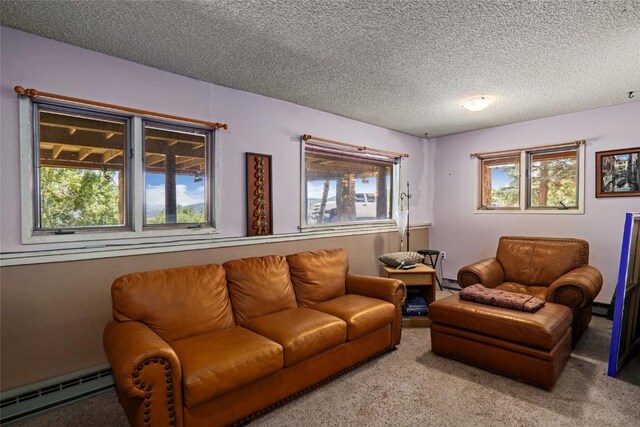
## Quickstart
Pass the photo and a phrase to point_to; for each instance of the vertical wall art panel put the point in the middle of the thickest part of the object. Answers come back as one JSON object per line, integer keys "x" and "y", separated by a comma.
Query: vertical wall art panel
{"x": 259, "y": 201}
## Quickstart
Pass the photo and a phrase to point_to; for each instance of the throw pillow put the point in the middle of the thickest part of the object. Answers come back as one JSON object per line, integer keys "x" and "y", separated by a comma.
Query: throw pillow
{"x": 396, "y": 259}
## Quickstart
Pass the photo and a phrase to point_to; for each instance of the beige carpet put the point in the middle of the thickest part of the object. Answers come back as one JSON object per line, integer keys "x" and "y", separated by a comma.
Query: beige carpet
{"x": 411, "y": 386}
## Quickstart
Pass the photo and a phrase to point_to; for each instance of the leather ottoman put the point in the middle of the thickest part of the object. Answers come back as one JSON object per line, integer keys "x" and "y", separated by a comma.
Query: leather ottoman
{"x": 530, "y": 347}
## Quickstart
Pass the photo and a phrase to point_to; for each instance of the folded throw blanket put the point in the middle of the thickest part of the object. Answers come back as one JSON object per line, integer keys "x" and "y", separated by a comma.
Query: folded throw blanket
{"x": 480, "y": 294}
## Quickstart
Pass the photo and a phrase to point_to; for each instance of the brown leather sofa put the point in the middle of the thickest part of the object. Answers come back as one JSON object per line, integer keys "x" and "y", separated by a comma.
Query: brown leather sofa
{"x": 552, "y": 269}
{"x": 212, "y": 345}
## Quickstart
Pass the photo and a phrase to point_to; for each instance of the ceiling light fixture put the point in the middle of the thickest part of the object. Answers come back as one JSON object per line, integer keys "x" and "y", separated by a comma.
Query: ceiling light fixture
{"x": 478, "y": 103}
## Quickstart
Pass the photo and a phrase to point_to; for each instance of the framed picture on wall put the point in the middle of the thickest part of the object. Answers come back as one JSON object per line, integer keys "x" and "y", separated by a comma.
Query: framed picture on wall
{"x": 618, "y": 173}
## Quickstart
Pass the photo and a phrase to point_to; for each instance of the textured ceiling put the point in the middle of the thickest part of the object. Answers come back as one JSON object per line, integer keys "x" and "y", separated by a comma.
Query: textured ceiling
{"x": 403, "y": 65}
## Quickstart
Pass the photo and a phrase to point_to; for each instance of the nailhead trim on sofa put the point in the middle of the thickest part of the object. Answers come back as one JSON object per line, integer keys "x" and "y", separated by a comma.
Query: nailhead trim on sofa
{"x": 146, "y": 389}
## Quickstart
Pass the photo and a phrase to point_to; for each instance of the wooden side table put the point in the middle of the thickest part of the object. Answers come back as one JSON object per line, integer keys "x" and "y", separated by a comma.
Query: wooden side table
{"x": 422, "y": 276}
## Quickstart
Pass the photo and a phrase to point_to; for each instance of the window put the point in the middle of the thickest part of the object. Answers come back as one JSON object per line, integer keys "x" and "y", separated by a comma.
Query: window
{"x": 501, "y": 183}
{"x": 553, "y": 180}
{"x": 545, "y": 180}
{"x": 80, "y": 170}
{"x": 176, "y": 175}
{"x": 344, "y": 187}
{"x": 97, "y": 175}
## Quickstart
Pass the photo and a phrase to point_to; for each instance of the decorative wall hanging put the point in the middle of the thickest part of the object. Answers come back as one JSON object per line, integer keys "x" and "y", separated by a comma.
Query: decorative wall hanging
{"x": 618, "y": 173}
{"x": 259, "y": 206}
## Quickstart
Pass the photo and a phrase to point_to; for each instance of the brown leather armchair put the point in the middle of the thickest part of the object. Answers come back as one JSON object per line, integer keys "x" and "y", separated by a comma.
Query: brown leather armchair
{"x": 552, "y": 269}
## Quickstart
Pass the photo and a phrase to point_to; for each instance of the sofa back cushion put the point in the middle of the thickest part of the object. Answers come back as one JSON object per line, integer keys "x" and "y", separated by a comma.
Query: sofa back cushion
{"x": 175, "y": 303}
{"x": 259, "y": 286}
{"x": 540, "y": 260}
{"x": 318, "y": 276}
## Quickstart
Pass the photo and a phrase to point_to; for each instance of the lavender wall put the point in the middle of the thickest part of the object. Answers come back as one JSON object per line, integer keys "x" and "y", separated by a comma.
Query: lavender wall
{"x": 257, "y": 124}
{"x": 469, "y": 237}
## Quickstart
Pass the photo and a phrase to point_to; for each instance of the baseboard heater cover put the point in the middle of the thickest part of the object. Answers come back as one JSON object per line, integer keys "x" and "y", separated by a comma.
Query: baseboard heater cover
{"x": 26, "y": 401}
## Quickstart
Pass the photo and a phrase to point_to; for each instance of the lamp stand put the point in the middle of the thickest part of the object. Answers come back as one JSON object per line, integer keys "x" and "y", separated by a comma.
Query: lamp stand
{"x": 407, "y": 196}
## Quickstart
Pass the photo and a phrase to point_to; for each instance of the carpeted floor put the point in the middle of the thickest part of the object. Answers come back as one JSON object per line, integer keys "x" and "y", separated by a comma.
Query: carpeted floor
{"x": 411, "y": 386}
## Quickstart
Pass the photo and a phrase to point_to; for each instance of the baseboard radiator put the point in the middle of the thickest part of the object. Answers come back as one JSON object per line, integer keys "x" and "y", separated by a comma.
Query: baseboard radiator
{"x": 26, "y": 401}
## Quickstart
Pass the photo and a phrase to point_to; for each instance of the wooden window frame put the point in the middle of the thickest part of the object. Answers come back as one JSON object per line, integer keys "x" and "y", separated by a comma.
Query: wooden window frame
{"x": 524, "y": 207}
{"x": 487, "y": 189}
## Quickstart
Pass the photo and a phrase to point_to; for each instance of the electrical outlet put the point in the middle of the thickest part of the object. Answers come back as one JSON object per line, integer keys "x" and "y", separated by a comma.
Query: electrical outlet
{"x": 443, "y": 254}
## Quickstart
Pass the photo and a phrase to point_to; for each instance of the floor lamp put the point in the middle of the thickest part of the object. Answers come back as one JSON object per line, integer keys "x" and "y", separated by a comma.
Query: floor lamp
{"x": 403, "y": 217}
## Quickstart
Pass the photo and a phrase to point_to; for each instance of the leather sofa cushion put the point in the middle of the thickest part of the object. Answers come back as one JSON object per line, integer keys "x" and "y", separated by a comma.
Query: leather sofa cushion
{"x": 362, "y": 314}
{"x": 175, "y": 303}
{"x": 259, "y": 286}
{"x": 302, "y": 332}
{"x": 221, "y": 361}
{"x": 536, "y": 291}
{"x": 542, "y": 329}
{"x": 319, "y": 275}
{"x": 540, "y": 261}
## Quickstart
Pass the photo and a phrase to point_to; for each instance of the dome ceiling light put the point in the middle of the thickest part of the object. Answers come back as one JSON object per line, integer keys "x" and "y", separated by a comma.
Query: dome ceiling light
{"x": 478, "y": 103}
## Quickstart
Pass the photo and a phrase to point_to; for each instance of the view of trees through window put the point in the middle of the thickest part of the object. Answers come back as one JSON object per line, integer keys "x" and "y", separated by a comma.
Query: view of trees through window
{"x": 78, "y": 198}
{"x": 501, "y": 183}
{"x": 81, "y": 180}
{"x": 552, "y": 180}
{"x": 346, "y": 189}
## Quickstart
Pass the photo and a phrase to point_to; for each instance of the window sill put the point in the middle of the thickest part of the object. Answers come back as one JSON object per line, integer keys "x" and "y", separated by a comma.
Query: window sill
{"x": 108, "y": 235}
{"x": 382, "y": 225}
{"x": 529, "y": 211}
{"x": 120, "y": 249}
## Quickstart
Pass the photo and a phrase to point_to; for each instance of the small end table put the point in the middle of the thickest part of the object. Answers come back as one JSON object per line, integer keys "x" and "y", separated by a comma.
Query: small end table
{"x": 422, "y": 276}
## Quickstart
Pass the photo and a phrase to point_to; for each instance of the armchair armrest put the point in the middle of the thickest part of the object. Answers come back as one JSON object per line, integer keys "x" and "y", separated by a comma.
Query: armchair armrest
{"x": 147, "y": 374}
{"x": 390, "y": 290}
{"x": 488, "y": 273}
{"x": 577, "y": 288}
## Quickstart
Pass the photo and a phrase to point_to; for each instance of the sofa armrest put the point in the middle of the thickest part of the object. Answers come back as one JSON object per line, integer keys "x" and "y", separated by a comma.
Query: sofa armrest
{"x": 577, "y": 288}
{"x": 147, "y": 374}
{"x": 488, "y": 273}
{"x": 390, "y": 290}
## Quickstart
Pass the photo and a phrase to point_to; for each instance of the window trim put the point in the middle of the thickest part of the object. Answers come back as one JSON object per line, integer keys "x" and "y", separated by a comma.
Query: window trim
{"x": 351, "y": 225}
{"x": 524, "y": 209}
{"x": 136, "y": 231}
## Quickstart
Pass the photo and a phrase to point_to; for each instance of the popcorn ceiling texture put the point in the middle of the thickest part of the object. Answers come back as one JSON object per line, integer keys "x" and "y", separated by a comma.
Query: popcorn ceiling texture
{"x": 403, "y": 65}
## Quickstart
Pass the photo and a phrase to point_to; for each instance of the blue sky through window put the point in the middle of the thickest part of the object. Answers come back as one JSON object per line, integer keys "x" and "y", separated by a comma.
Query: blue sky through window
{"x": 188, "y": 193}
{"x": 499, "y": 178}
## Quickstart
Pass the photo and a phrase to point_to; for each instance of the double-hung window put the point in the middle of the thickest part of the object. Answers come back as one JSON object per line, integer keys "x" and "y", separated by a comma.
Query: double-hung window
{"x": 342, "y": 187}
{"x": 97, "y": 174}
{"x": 537, "y": 180}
